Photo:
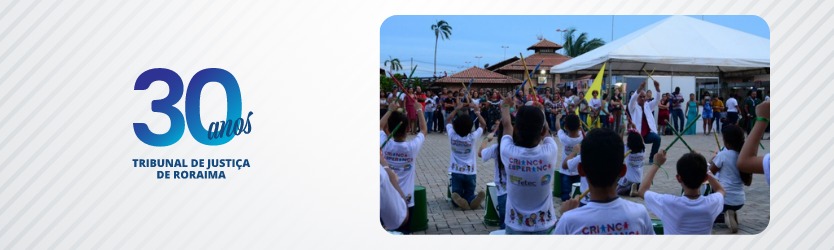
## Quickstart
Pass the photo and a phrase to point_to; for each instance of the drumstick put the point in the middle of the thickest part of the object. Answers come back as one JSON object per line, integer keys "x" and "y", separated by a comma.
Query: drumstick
{"x": 679, "y": 137}
{"x": 627, "y": 153}
{"x": 391, "y": 135}
{"x": 716, "y": 139}
{"x": 579, "y": 198}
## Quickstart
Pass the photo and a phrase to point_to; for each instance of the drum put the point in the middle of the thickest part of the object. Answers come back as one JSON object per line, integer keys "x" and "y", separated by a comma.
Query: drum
{"x": 574, "y": 191}
{"x": 557, "y": 184}
{"x": 420, "y": 216}
{"x": 491, "y": 207}
{"x": 658, "y": 226}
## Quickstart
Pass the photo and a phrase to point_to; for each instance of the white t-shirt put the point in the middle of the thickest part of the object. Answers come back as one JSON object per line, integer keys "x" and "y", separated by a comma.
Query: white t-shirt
{"x": 429, "y": 105}
{"x": 621, "y": 217}
{"x": 634, "y": 167}
{"x": 766, "y": 167}
{"x": 573, "y": 165}
{"x": 499, "y": 177}
{"x": 567, "y": 146}
{"x": 462, "y": 159}
{"x": 530, "y": 188}
{"x": 595, "y": 103}
{"x": 392, "y": 207}
{"x": 401, "y": 156}
{"x": 681, "y": 215}
{"x": 732, "y": 105}
{"x": 729, "y": 177}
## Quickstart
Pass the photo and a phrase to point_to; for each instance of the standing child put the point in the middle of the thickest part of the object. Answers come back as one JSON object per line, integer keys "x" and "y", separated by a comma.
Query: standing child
{"x": 399, "y": 152}
{"x": 530, "y": 163}
{"x": 607, "y": 213}
{"x": 569, "y": 140}
{"x": 500, "y": 176}
{"x": 724, "y": 163}
{"x": 630, "y": 183}
{"x": 691, "y": 213}
{"x": 462, "y": 158}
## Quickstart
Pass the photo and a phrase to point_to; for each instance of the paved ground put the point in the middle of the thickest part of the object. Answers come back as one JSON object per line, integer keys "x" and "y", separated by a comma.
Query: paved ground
{"x": 432, "y": 164}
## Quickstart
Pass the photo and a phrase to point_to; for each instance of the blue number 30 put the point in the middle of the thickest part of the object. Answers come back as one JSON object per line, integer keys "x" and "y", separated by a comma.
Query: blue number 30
{"x": 192, "y": 105}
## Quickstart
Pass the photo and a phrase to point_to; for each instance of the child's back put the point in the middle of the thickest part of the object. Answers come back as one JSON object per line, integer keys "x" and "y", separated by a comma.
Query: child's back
{"x": 606, "y": 213}
{"x": 619, "y": 216}
{"x": 729, "y": 177}
{"x": 682, "y": 215}
{"x": 462, "y": 158}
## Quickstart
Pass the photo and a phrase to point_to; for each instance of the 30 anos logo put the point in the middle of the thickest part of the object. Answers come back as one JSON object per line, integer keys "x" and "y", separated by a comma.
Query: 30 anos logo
{"x": 219, "y": 132}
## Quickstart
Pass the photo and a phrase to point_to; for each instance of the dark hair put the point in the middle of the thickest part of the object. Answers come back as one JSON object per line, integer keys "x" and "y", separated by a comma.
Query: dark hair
{"x": 677, "y": 90}
{"x": 572, "y": 122}
{"x": 749, "y": 92}
{"x": 605, "y": 96}
{"x": 692, "y": 168}
{"x": 602, "y": 157}
{"x": 635, "y": 142}
{"x": 733, "y": 137}
{"x": 500, "y": 132}
{"x": 529, "y": 123}
{"x": 397, "y": 117}
{"x": 462, "y": 125}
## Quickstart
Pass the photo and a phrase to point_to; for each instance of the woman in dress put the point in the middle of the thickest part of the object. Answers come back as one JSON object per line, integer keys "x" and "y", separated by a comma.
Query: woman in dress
{"x": 707, "y": 113}
{"x": 691, "y": 113}
{"x": 410, "y": 111}
{"x": 663, "y": 113}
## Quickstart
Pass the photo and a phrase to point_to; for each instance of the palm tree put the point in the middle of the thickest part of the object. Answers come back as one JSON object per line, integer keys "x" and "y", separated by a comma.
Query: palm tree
{"x": 441, "y": 30}
{"x": 395, "y": 64}
{"x": 579, "y": 45}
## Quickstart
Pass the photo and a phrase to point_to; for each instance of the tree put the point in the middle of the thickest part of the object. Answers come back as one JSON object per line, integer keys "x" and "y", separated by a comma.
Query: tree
{"x": 441, "y": 30}
{"x": 575, "y": 46}
{"x": 395, "y": 64}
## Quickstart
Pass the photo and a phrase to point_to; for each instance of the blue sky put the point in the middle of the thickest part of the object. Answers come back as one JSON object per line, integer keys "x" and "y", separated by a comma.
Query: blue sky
{"x": 411, "y": 37}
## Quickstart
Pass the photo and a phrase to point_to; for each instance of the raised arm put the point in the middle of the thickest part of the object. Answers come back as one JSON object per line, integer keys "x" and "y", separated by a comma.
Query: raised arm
{"x": 421, "y": 118}
{"x": 454, "y": 113}
{"x": 715, "y": 185}
{"x": 481, "y": 119}
{"x": 485, "y": 143}
{"x": 505, "y": 114}
{"x": 748, "y": 162}
{"x": 659, "y": 160}
{"x": 383, "y": 122}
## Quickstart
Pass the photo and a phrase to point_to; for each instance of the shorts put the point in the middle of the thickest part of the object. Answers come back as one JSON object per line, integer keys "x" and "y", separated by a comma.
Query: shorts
{"x": 707, "y": 115}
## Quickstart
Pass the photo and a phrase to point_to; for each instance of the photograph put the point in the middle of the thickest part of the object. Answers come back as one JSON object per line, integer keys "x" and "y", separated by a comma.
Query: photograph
{"x": 562, "y": 125}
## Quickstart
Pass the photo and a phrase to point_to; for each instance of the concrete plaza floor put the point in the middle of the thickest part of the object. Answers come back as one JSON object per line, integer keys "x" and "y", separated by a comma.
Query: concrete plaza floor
{"x": 432, "y": 165}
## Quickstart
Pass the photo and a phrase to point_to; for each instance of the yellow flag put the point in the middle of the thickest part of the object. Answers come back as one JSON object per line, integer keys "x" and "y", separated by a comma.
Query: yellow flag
{"x": 597, "y": 85}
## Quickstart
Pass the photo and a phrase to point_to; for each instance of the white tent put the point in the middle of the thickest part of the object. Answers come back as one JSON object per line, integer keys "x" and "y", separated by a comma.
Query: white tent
{"x": 677, "y": 45}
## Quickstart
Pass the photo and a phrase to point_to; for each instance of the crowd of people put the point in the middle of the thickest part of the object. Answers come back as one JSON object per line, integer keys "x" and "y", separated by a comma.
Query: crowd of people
{"x": 538, "y": 134}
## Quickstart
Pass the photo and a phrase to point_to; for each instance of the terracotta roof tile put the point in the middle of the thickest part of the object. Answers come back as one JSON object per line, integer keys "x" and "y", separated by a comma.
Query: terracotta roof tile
{"x": 544, "y": 43}
{"x": 548, "y": 60}
{"x": 480, "y": 76}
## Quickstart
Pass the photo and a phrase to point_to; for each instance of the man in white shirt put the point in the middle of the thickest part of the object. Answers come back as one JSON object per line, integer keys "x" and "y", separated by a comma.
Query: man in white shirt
{"x": 642, "y": 118}
{"x": 732, "y": 110}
